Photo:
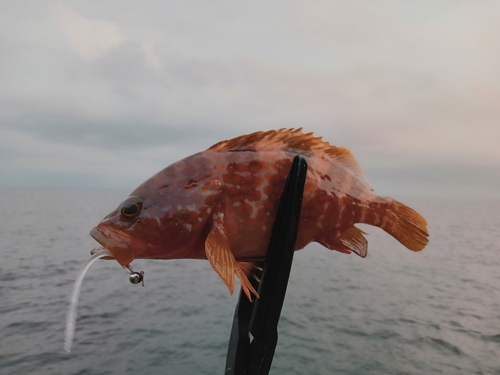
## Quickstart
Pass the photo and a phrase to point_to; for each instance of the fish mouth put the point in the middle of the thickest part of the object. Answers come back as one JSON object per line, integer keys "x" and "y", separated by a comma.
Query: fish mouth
{"x": 115, "y": 241}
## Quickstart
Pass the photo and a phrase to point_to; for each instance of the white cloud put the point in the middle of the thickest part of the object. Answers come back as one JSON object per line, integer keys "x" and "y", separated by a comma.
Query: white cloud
{"x": 399, "y": 83}
{"x": 456, "y": 40}
{"x": 152, "y": 58}
{"x": 89, "y": 39}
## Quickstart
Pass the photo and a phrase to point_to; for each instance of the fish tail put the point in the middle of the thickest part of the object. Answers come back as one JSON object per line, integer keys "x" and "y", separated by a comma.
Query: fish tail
{"x": 406, "y": 225}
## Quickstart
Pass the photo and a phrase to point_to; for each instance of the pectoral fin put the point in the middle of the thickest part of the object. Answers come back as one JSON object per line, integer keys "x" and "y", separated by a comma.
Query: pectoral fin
{"x": 221, "y": 258}
{"x": 243, "y": 271}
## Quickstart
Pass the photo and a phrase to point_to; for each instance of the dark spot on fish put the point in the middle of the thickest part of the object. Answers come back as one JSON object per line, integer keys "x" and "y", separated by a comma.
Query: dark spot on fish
{"x": 255, "y": 167}
{"x": 237, "y": 179}
{"x": 191, "y": 184}
{"x": 325, "y": 177}
{"x": 231, "y": 168}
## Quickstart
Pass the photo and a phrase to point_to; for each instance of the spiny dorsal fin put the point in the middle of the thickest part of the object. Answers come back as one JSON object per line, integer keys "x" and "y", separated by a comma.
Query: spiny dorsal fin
{"x": 295, "y": 141}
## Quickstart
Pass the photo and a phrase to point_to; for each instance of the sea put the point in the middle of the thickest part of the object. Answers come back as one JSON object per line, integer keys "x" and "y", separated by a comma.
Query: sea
{"x": 394, "y": 312}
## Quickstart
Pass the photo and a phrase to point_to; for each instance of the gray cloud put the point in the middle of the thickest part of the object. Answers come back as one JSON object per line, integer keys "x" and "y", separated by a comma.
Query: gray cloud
{"x": 411, "y": 88}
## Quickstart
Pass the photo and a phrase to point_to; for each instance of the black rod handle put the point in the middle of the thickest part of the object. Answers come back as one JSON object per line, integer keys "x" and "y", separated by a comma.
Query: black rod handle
{"x": 254, "y": 357}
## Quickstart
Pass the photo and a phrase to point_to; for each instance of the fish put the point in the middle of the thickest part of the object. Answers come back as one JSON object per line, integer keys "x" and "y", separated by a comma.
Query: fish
{"x": 220, "y": 205}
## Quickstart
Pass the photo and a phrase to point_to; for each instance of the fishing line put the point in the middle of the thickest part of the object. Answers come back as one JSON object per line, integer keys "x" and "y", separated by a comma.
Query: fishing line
{"x": 71, "y": 317}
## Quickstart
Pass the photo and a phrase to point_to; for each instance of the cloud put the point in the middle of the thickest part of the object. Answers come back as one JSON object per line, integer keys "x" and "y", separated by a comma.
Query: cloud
{"x": 89, "y": 39}
{"x": 421, "y": 78}
{"x": 388, "y": 112}
{"x": 58, "y": 163}
{"x": 152, "y": 57}
{"x": 403, "y": 85}
{"x": 456, "y": 43}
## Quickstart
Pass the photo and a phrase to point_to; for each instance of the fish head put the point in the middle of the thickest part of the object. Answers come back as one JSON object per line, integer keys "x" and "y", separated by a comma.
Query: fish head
{"x": 117, "y": 231}
{"x": 141, "y": 227}
{"x": 164, "y": 218}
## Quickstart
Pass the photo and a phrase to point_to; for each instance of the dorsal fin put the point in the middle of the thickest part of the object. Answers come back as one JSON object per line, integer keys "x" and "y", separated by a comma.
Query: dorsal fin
{"x": 295, "y": 141}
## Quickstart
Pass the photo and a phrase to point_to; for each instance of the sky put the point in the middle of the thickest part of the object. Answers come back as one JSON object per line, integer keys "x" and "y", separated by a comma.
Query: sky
{"x": 105, "y": 94}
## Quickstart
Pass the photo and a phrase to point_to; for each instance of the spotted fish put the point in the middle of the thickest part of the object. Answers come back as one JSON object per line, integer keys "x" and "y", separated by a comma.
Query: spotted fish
{"x": 220, "y": 205}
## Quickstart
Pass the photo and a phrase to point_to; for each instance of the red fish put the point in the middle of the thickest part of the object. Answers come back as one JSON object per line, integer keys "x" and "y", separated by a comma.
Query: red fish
{"x": 220, "y": 205}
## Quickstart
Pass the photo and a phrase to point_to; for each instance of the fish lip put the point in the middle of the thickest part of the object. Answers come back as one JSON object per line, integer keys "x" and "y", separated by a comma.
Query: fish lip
{"x": 114, "y": 241}
{"x": 98, "y": 248}
{"x": 99, "y": 237}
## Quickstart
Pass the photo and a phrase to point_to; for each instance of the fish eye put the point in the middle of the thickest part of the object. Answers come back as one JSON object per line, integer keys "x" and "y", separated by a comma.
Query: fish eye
{"x": 131, "y": 207}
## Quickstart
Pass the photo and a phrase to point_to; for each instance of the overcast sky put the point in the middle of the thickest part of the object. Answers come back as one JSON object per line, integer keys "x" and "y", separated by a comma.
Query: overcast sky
{"x": 107, "y": 93}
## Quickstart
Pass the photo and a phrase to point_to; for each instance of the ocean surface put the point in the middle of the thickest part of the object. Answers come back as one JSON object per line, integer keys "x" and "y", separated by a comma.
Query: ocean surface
{"x": 395, "y": 312}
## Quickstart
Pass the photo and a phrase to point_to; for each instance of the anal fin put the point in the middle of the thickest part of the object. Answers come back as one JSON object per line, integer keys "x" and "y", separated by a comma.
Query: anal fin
{"x": 354, "y": 240}
{"x": 347, "y": 241}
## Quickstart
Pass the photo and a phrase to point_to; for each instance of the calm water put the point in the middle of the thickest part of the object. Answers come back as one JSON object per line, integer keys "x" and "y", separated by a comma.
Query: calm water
{"x": 395, "y": 312}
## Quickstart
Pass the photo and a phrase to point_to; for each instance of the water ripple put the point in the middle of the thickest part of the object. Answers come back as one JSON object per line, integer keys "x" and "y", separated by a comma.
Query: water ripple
{"x": 395, "y": 312}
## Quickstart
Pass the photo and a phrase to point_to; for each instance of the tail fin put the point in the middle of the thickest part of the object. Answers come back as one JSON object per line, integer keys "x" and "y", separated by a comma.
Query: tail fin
{"x": 407, "y": 226}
